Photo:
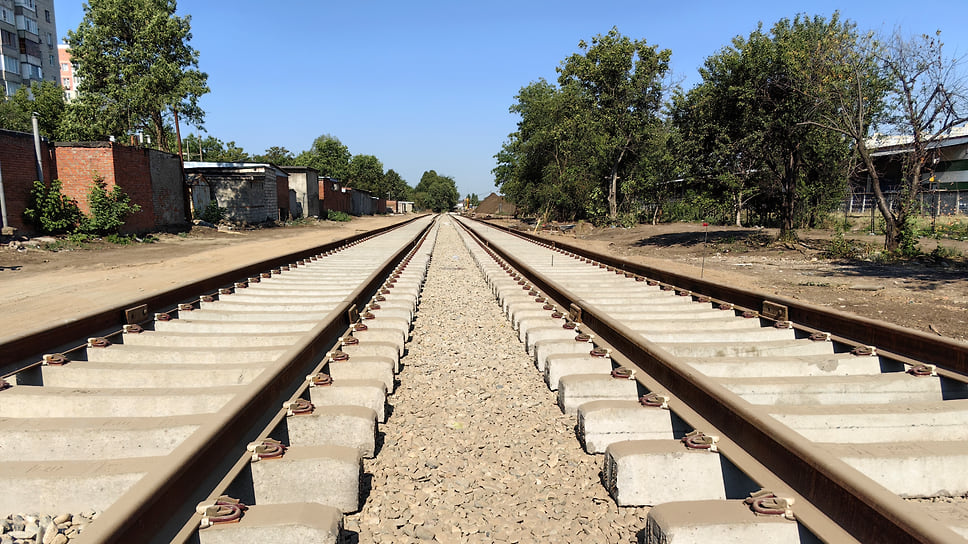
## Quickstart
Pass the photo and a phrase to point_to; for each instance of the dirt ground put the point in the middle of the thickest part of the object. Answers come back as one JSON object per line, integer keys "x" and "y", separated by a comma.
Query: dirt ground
{"x": 41, "y": 286}
{"x": 926, "y": 294}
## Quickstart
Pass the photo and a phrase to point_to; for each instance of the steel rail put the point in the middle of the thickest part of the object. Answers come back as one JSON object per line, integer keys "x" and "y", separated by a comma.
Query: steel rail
{"x": 942, "y": 352}
{"x": 865, "y": 509}
{"x": 189, "y": 529}
{"x": 155, "y": 508}
{"x": 22, "y": 350}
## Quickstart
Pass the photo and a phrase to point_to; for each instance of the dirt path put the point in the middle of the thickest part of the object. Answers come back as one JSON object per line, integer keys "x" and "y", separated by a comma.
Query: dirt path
{"x": 38, "y": 286}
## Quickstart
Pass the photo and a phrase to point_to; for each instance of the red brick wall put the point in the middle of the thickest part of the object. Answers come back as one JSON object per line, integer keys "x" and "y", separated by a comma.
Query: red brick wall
{"x": 18, "y": 168}
{"x": 120, "y": 165}
{"x": 330, "y": 199}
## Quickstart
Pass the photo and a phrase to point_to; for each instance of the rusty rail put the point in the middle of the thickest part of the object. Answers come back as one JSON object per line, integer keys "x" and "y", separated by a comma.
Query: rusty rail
{"x": 867, "y": 511}
{"x": 24, "y": 349}
{"x": 942, "y": 352}
{"x": 155, "y": 509}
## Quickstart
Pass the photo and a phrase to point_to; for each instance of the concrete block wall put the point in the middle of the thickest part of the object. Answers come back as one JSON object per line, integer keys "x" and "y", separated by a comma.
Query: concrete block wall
{"x": 18, "y": 168}
{"x": 305, "y": 183}
{"x": 168, "y": 189}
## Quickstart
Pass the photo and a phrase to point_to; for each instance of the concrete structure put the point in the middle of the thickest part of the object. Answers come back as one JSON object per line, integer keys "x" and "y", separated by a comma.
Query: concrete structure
{"x": 296, "y": 522}
{"x": 304, "y": 186}
{"x": 28, "y": 43}
{"x": 68, "y": 80}
{"x": 152, "y": 179}
{"x": 248, "y": 191}
{"x": 651, "y": 472}
{"x": 723, "y": 522}
{"x": 945, "y": 176}
{"x": 328, "y": 475}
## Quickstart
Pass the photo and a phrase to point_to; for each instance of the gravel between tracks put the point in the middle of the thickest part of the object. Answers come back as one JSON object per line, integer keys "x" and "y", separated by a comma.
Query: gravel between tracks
{"x": 476, "y": 449}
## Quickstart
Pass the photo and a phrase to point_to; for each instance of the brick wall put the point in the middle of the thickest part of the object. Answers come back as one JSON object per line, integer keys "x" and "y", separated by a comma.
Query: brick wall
{"x": 332, "y": 197}
{"x": 128, "y": 167}
{"x": 18, "y": 169}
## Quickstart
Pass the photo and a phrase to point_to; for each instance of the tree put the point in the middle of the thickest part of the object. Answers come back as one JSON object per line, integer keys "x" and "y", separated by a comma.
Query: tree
{"x": 46, "y": 99}
{"x": 328, "y": 156}
{"x": 280, "y": 156}
{"x": 928, "y": 98}
{"x": 621, "y": 86}
{"x": 396, "y": 187}
{"x": 136, "y": 67}
{"x": 747, "y": 123}
{"x": 436, "y": 192}
{"x": 366, "y": 173}
{"x": 546, "y": 167}
{"x": 473, "y": 200}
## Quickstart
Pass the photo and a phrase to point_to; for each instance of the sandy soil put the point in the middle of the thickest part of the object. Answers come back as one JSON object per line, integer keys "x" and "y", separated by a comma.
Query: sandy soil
{"x": 38, "y": 286}
{"x": 925, "y": 294}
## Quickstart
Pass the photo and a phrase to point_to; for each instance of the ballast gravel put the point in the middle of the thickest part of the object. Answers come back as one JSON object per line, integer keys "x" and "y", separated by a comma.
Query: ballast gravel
{"x": 475, "y": 449}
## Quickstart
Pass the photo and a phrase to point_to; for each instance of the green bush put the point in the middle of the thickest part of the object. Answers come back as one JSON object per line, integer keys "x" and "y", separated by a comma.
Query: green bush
{"x": 50, "y": 210}
{"x": 120, "y": 239}
{"x": 109, "y": 209}
{"x": 212, "y": 213}
{"x": 337, "y": 216}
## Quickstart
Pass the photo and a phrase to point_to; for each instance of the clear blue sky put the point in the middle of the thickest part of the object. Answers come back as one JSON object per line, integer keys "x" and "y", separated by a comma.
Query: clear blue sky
{"x": 427, "y": 84}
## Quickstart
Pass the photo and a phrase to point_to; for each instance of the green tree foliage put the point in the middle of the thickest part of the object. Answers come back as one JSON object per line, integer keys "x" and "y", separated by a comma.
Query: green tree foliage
{"x": 109, "y": 209}
{"x": 280, "y": 156}
{"x": 578, "y": 147}
{"x": 473, "y": 200}
{"x": 620, "y": 88}
{"x": 135, "y": 66}
{"x": 396, "y": 186}
{"x": 436, "y": 192}
{"x": 212, "y": 149}
{"x": 366, "y": 173}
{"x": 746, "y": 125}
{"x": 50, "y": 210}
{"x": 328, "y": 156}
{"x": 46, "y": 99}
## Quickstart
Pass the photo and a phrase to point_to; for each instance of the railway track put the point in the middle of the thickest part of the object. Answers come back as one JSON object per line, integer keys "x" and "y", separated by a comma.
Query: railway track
{"x": 139, "y": 426}
{"x": 836, "y": 418}
{"x": 841, "y": 422}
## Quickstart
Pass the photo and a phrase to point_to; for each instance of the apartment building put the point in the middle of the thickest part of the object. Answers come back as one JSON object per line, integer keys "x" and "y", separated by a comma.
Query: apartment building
{"x": 28, "y": 43}
{"x": 68, "y": 79}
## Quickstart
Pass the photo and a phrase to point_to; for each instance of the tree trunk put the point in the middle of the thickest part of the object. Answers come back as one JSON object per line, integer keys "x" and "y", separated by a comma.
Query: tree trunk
{"x": 787, "y": 207}
{"x": 891, "y": 233}
{"x": 612, "y": 193}
{"x": 738, "y": 206}
{"x": 613, "y": 184}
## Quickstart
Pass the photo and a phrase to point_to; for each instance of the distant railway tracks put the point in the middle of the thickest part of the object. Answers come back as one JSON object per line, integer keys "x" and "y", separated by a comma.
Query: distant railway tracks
{"x": 268, "y": 385}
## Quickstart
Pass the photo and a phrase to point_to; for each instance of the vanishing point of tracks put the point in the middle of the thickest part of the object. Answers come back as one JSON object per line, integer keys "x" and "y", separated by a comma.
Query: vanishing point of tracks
{"x": 736, "y": 416}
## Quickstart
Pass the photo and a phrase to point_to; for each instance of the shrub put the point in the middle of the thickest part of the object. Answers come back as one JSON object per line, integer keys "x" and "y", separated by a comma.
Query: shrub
{"x": 119, "y": 239}
{"x": 337, "y": 216}
{"x": 50, "y": 210}
{"x": 212, "y": 213}
{"x": 109, "y": 209}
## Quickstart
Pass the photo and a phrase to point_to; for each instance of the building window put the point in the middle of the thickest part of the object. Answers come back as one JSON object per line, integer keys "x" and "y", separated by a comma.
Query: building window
{"x": 66, "y": 83}
{"x": 47, "y": 15}
{"x": 52, "y": 62}
{"x": 50, "y": 39}
{"x": 6, "y": 15}
{"x": 65, "y": 67}
{"x": 11, "y": 64}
